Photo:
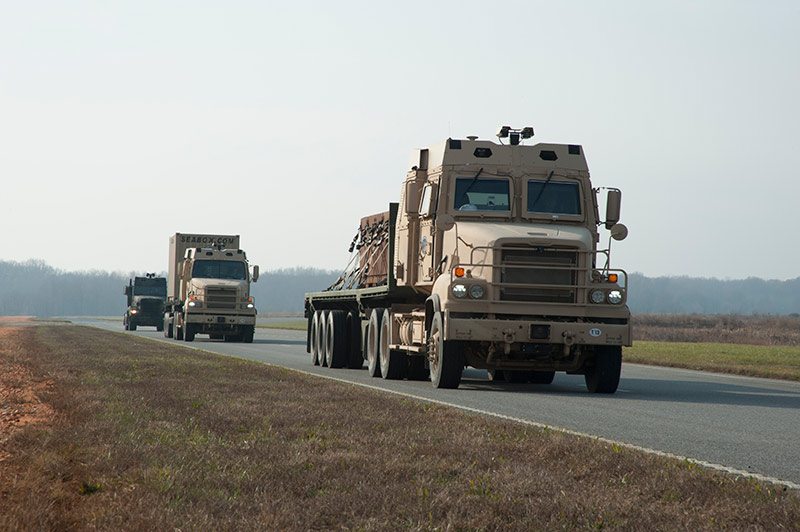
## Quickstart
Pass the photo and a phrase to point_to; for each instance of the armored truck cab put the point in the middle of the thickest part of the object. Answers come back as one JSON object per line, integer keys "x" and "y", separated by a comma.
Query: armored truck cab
{"x": 146, "y": 296}
{"x": 209, "y": 289}
{"x": 491, "y": 259}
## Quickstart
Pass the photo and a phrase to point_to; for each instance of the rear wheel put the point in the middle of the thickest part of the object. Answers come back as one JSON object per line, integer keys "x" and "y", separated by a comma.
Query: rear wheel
{"x": 373, "y": 337}
{"x": 416, "y": 369}
{"x": 603, "y": 377}
{"x": 445, "y": 356}
{"x": 542, "y": 377}
{"x": 335, "y": 345}
{"x": 188, "y": 335}
{"x": 321, "y": 325}
{"x": 160, "y": 327}
{"x": 355, "y": 358}
{"x": 312, "y": 337}
{"x": 393, "y": 362}
{"x": 496, "y": 375}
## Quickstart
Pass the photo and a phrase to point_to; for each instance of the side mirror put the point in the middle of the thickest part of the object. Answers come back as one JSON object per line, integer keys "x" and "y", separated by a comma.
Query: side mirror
{"x": 445, "y": 222}
{"x": 255, "y": 273}
{"x": 126, "y": 290}
{"x": 619, "y": 232}
{"x": 412, "y": 201}
{"x": 613, "y": 203}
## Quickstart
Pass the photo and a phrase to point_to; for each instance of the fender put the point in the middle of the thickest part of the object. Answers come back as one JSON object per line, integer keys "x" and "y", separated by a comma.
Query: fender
{"x": 432, "y": 305}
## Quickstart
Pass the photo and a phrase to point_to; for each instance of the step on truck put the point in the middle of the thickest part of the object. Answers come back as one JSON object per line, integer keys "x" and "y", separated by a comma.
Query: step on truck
{"x": 491, "y": 260}
{"x": 145, "y": 296}
{"x": 208, "y": 289}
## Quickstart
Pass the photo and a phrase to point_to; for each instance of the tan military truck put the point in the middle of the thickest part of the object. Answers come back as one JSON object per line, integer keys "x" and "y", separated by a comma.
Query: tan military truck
{"x": 208, "y": 289}
{"x": 491, "y": 259}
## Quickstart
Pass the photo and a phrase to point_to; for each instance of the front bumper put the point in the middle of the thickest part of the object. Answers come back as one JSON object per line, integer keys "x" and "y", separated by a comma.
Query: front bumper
{"x": 220, "y": 320}
{"x": 533, "y": 330}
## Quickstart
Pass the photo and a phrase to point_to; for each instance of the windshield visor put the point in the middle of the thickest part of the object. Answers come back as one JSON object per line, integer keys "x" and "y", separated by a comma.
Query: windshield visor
{"x": 554, "y": 198}
{"x": 482, "y": 194}
{"x": 219, "y": 269}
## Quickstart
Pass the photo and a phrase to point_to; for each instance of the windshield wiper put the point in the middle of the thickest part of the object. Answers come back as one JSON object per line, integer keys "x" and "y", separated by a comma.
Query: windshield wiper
{"x": 541, "y": 190}
{"x": 471, "y": 184}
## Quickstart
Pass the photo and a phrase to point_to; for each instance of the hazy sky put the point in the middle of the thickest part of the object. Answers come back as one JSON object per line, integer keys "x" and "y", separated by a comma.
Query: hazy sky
{"x": 286, "y": 122}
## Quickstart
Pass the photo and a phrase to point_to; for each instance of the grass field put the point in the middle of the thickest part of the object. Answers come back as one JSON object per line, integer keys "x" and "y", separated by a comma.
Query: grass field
{"x": 776, "y": 362}
{"x": 146, "y": 436}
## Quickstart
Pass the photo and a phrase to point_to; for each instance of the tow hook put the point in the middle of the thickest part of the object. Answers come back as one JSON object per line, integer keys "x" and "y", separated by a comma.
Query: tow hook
{"x": 569, "y": 339}
{"x": 508, "y": 338}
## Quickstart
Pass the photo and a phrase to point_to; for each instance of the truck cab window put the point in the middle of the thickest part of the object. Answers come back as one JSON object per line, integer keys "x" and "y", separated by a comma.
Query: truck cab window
{"x": 425, "y": 202}
{"x": 213, "y": 269}
{"x": 554, "y": 197}
{"x": 481, "y": 194}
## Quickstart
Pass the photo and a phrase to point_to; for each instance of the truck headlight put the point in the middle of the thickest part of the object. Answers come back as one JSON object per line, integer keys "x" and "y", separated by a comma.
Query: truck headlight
{"x": 597, "y": 296}
{"x": 249, "y": 305}
{"x": 459, "y": 290}
{"x": 134, "y": 311}
{"x": 192, "y": 304}
{"x": 476, "y": 291}
{"x": 615, "y": 297}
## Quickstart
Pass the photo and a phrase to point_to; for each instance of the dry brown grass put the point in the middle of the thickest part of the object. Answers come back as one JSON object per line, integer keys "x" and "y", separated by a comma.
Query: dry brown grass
{"x": 719, "y": 328}
{"x": 157, "y": 437}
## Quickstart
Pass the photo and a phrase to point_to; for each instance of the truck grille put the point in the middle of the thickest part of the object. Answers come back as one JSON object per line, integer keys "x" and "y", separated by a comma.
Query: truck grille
{"x": 552, "y": 274}
{"x": 221, "y": 298}
{"x": 150, "y": 305}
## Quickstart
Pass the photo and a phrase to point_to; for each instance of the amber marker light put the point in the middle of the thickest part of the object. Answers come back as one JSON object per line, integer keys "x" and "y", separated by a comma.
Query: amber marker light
{"x": 613, "y": 278}
{"x": 459, "y": 272}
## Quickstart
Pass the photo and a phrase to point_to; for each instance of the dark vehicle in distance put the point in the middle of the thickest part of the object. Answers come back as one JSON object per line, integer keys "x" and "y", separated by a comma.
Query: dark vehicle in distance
{"x": 146, "y": 296}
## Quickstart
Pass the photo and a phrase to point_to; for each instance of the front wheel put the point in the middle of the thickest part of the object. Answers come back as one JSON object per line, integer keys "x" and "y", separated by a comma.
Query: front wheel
{"x": 603, "y": 377}
{"x": 445, "y": 356}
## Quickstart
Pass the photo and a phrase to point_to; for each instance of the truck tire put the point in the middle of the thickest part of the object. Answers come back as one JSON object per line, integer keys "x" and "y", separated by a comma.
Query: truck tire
{"x": 355, "y": 357}
{"x": 542, "y": 377}
{"x": 517, "y": 376}
{"x": 179, "y": 333}
{"x": 321, "y": 325}
{"x": 416, "y": 369}
{"x": 249, "y": 331}
{"x": 335, "y": 340}
{"x": 373, "y": 337}
{"x": 189, "y": 333}
{"x": 445, "y": 357}
{"x": 393, "y": 363}
{"x": 131, "y": 326}
{"x": 160, "y": 327}
{"x": 603, "y": 377}
{"x": 496, "y": 375}
{"x": 313, "y": 329}
{"x": 167, "y": 327}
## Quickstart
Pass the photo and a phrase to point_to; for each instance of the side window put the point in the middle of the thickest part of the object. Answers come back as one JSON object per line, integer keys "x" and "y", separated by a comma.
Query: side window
{"x": 425, "y": 203}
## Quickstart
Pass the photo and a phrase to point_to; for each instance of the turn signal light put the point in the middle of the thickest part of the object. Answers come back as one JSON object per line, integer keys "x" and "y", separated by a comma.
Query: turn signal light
{"x": 613, "y": 277}
{"x": 459, "y": 272}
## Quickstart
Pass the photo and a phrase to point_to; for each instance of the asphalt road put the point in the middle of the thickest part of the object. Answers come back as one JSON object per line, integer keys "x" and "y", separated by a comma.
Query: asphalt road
{"x": 747, "y": 424}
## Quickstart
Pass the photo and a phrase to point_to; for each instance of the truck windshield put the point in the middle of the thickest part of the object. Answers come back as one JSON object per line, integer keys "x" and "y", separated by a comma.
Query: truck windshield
{"x": 160, "y": 291}
{"x": 554, "y": 197}
{"x": 481, "y": 194}
{"x": 219, "y": 269}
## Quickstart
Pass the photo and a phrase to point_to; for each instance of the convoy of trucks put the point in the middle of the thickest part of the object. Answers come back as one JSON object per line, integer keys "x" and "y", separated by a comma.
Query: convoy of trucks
{"x": 491, "y": 259}
{"x": 208, "y": 289}
{"x": 146, "y": 296}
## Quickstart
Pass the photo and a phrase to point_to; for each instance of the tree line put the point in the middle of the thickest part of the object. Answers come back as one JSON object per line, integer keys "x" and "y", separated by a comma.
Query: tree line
{"x": 33, "y": 288}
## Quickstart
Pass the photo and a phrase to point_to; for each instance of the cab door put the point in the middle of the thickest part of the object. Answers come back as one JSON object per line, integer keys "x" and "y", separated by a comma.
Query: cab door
{"x": 427, "y": 231}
